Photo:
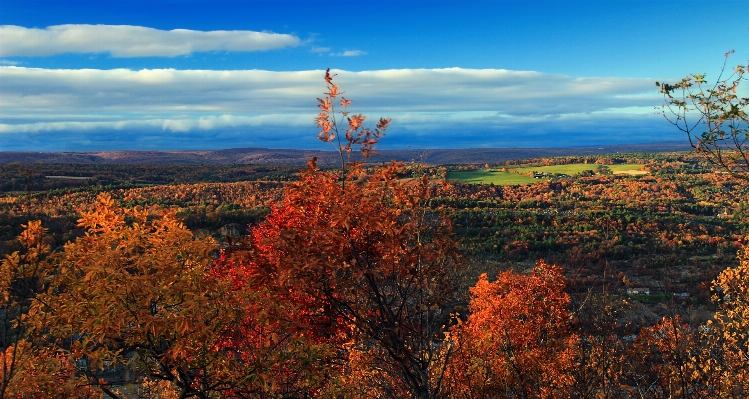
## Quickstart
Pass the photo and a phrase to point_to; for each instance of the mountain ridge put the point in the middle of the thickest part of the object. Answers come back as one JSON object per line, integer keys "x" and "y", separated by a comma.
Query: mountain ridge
{"x": 268, "y": 156}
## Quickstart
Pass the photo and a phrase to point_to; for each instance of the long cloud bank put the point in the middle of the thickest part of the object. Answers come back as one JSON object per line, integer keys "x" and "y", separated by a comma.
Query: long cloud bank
{"x": 133, "y": 41}
{"x": 43, "y": 109}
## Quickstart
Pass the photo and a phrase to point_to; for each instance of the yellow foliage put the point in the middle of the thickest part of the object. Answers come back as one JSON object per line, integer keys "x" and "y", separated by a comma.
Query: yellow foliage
{"x": 136, "y": 286}
{"x": 732, "y": 321}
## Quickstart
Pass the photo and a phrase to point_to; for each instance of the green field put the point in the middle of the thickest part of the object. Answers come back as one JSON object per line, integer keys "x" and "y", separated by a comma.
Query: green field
{"x": 486, "y": 177}
{"x": 576, "y": 168}
{"x": 505, "y": 178}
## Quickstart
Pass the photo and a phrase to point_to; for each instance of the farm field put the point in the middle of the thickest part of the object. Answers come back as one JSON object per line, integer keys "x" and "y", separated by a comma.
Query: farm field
{"x": 489, "y": 177}
{"x": 574, "y": 168}
{"x": 507, "y": 178}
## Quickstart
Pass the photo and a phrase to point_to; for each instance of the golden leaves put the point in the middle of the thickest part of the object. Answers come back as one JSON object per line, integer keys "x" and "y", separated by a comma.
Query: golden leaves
{"x": 138, "y": 280}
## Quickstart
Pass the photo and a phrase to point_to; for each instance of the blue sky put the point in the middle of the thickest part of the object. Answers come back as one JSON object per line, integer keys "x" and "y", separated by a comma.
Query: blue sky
{"x": 109, "y": 75}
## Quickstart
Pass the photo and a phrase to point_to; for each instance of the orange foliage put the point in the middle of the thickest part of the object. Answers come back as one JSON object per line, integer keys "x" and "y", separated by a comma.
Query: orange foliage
{"x": 29, "y": 367}
{"x": 135, "y": 287}
{"x": 517, "y": 340}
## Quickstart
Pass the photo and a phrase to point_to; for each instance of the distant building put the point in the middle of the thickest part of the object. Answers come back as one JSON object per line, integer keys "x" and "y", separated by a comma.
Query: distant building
{"x": 638, "y": 291}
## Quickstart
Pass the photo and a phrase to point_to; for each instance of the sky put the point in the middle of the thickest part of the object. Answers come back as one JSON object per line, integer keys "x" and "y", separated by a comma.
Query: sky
{"x": 216, "y": 74}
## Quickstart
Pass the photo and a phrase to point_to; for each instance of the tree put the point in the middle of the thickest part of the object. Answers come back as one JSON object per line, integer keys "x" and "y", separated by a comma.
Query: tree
{"x": 719, "y": 130}
{"x": 134, "y": 293}
{"x": 517, "y": 339}
{"x": 672, "y": 360}
{"x": 730, "y": 327}
{"x": 29, "y": 366}
{"x": 357, "y": 135}
{"x": 724, "y": 141}
{"x": 290, "y": 350}
{"x": 368, "y": 267}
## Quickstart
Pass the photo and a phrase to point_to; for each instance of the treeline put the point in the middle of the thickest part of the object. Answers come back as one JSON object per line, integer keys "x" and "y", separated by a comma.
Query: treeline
{"x": 612, "y": 159}
{"x": 43, "y": 177}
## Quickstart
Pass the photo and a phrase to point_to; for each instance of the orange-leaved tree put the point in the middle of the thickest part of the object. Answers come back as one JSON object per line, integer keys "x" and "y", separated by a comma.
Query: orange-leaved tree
{"x": 363, "y": 263}
{"x": 29, "y": 366}
{"x": 133, "y": 297}
{"x": 517, "y": 340}
{"x": 347, "y": 135}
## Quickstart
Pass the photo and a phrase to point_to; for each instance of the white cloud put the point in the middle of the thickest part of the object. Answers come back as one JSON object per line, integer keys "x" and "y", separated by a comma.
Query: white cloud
{"x": 132, "y": 41}
{"x": 468, "y": 102}
{"x": 319, "y": 49}
{"x": 9, "y": 62}
{"x": 176, "y": 124}
{"x": 159, "y": 91}
{"x": 349, "y": 53}
{"x": 629, "y": 110}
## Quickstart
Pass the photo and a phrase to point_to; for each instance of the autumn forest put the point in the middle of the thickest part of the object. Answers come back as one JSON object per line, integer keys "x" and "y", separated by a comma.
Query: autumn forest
{"x": 386, "y": 279}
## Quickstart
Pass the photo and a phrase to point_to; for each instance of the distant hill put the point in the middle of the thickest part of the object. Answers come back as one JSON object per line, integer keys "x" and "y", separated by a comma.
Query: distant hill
{"x": 265, "y": 156}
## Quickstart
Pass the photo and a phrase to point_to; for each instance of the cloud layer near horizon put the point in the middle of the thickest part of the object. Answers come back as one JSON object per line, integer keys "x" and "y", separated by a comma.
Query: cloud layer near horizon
{"x": 171, "y": 109}
{"x": 133, "y": 41}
